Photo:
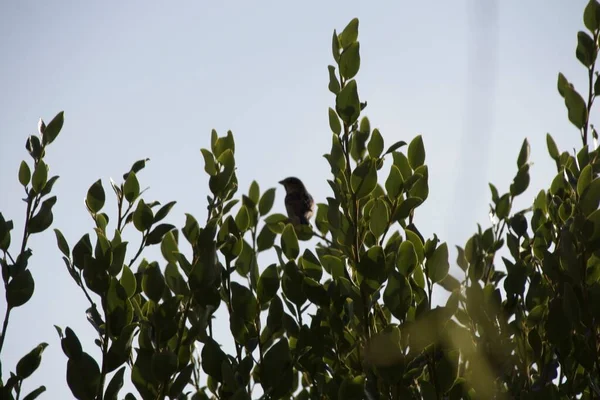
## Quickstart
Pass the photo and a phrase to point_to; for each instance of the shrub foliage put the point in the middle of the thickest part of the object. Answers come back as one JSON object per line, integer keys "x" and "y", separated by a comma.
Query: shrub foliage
{"x": 351, "y": 317}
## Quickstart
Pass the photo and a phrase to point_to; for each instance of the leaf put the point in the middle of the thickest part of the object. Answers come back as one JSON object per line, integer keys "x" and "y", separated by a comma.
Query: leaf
{"x": 182, "y": 380}
{"x": 43, "y": 219}
{"x": 375, "y": 145}
{"x": 20, "y": 289}
{"x": 289, "y": 242}
{"x": 334, "y": 85}
{"x": 153, "y": 283}
{"x": 590, "y": 197}
{"x": 372, "y": 264}
{"x": 53, "y": 128}
{"x": 24, "y": 174}
{"x": 115, "y": 385}
{"x": 31, "y": 361}
{"x": 503, "y": 207}
{"x": 352, "y": 388}
{"x": 407, "y": 258}
{"x": 83, "y": 377}
{"x": 334, "y": 122}
{"x": 523, "y": 154}
{"x": 157, "y": 234}
{"x": 268, "y": 284}
{"x": 407, "y": 206}
{"x": 576, "y": 107}
{"x": 242, "y": 219}
{"x": 379, "y": 218}
{"x": 35, "y": 393}
{"x": 128, "y": 281}
{"x": 395, "y": 146}
{"x": 169, "y": 248}
{"x": 585, "y": 178}
{"x": 552, "y": 149}
{"x": 276, "y": 373}
{"x": 175, "y": 281}
{"x": 164, "y": 364}
{"x": 40, "y": 177}
{"x": 394, "y": 182}
{"x": 591, "y": 16}
{"x": 520, "y": 182}
{"x": 364, "y": 179}
{"x": 437, "y": 265}
{"x": 347, "y": 103}
{"x": 586, "y": 51}
{"x": 266, "y": 201}
{"x": 350, "y": 61}
{"x": 142, "y": 216}
{"x": 61, "y": 242}
{"x": 398, "y": 295}
{"x": 95, "y": 197}
{"x": 350, "y": 33}
{"x": 265, "y": 239}
{"x": 416, "y": 152}
{"x": 210, "y": 165}
{"x": 243, "y": 302}
{"x": 164, "y": 211}
{"x": 131, "y": 187}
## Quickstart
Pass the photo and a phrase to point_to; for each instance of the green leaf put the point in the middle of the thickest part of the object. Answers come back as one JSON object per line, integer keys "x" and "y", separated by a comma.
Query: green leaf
{"x": 520, "y": 182}
{"x": 379, "y": 218}
{"x": 95, "y": 197}
{"x": 334, "y": 122}
{"x": 398, "y": 295}
{"x": 53, "y": 128}
{"x": 395, "y": 146}
{"x": 61, "y": 242}
{"x": 347, "y": 103}
{"x": 115, "y": 385}
{"x": 552, "y": 149}
{"x": 407, "y": 206}
{"x": 181, "y": 381}
{"x": 31, "y": 361}
{"x": 586, "y": 51}
{"x": 416, "y": 152}
{"x": 333, "y": 265}
{"x": 243, "y": 302}
{"x": 523, "y": 154}
{"x": 131, "y": 187}
{"x": 437, "y": 265}
{"x": 350, "y": 61}
{"x": 364, "y": 179}
{"x": 576, "y": 107}
{"x": 242, "y": 219}
{"x": 591, "y": 16}
{"x": 503, "y": 207}
{"x": 164, "y": 211}
{"x": 71, "y": 345}
{"x": 142, "y": 216}
{"x": 20, "y": 289}
{"x": 590, "y": 197}
{"x": 35, "y": 393}
{"x": 276, "y": 372}
{"x": 289, "y": 242}
{"x": 210, "y": 166}
{"x": 175, "y": 281}
{"x": 352, "y": 388}
{"x": 212, "y": 357}
{"x": 585, "y": 178}
{"x": 153, "y": 283}
{"x": 372, "y": 264}
{"x": 128, "y": 281}
{"x": 394, "y": 182}
{"x": 417, "y": 243}
{"x": 266, "y": 201}
{"x": 40, "y": 177}
{"x": 157, "y": 234}
{"x": 407, "y": 258}
{"x": 164, "y": 364}
{"x": 571, "y": 305}
{"x": 335, "y": 46}
{"x": 24, "y": 174}
{"x": 350, "y": 33}
{"x": 375, "y": 145}
{"x": 265, "y": 239}
{"x": 268, "y": 284}
{"x": 169, "y": 248}
{"x": 44, "y": 217}
{"x": 311, "y": 266}
{"x": 334, "y": 85}
{"x": 83, "y": 377}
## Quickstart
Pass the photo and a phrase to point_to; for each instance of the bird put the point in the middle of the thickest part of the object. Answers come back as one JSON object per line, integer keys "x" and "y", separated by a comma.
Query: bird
{"x": 299, "y": 204}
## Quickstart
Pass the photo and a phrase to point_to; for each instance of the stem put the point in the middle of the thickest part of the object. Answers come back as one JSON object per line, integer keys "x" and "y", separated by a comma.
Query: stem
{"x": 140, "y": 249}
{"x": 390, "y": 222}
{"x": 590, "y": 101}
{"x": 100, "y": 393}
{"x": 4, "y": 328}
{"x": 323, "y": 238}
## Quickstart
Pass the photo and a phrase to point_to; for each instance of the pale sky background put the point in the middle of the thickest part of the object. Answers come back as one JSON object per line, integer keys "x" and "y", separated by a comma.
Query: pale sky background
{"x": 151, "y": 79}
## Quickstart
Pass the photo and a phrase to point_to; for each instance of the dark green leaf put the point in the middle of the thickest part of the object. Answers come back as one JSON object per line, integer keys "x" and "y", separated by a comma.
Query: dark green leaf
{"x": 63, "y": 246}
{"x": 153, "y": 283}
{"x": 157, "y": 234}
{"x": 266, "y": 201}
{"x": 164, "y": 364}
{"x": 142, "y": 216}
{"x": 83, "y": 377}
{"x": 44, "y": 217}
{"x": 115, "y": 385}
{"x": 53, "y": 128}
{"x": 168, "y": 247}
{"x": 375, "y": 145}
{"x": 523, "y": 154}
{"x": 334, "y": 122}
{"x": 552, "y": 149}
{"x": 276, "y": 373}
{"x": 350, "y": 34}
{"x": 24, "y": 174}
{"x": 394, "y": 182}
{"x": 289, "y": 242}
{"x": 437, "y": 265}
{"x": 416, "y": 152}
{"x": 212, "y": 357}
{"x": 31, "y": 361}
{"x": 163, "y": 211}
{"x": 347, "y": 103}
{"x": 379, "y": 218}
{"x": 128, "y": 281}
{"x": 268, "y": 284}
{"x": 40, "y": 177}
{"x": 131, "y": 187}
{"x": 586, "y": 51}
{"x": 576, "y": 107}
{"x": 243, "y": 302}
{"x": 95, "y": 197}
{"x": 175, "y": 281}
{"x": 398, "y": 295}
{"x": 521, "y": 181}
{"x": 407, "y": 258}
{"x": 364, "y": 179}
{"x": 35, "y": 393}
{"x": 20, "y": 289}
{"x": 350, "y": 61}
{"x": 265, "y": 239}
{"x": 182, "y": 380}
{"x": 210, "y": 165}
{"x": 334, "y": 84}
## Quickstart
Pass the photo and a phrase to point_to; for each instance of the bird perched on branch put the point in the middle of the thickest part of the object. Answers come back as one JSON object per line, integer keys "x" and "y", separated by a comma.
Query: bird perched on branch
{"x": 299, "y": 204}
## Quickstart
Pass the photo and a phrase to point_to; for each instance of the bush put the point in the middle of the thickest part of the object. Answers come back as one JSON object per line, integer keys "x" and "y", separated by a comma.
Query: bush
{"x": 351, "y": 318}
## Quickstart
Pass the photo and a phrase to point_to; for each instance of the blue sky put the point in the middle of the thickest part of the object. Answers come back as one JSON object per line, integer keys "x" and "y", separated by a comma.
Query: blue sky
{"x": 151, "y": 79}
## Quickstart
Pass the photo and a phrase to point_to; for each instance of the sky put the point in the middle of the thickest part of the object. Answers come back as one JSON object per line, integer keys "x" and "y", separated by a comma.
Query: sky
{"x": 151, "y": 79}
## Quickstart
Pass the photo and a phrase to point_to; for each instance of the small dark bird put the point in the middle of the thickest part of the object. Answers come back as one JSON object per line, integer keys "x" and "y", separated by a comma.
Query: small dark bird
{"x": 298, "y": 202}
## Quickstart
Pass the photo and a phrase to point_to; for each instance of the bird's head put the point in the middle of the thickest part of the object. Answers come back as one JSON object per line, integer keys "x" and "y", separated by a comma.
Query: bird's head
{"x": 292, "y": 184}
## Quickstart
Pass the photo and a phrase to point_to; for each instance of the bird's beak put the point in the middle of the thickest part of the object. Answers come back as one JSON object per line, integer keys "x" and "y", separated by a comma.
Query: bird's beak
{"x": 281, "y": 183}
